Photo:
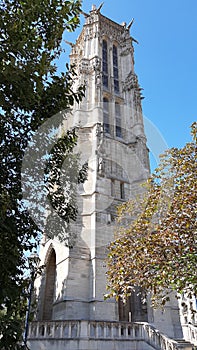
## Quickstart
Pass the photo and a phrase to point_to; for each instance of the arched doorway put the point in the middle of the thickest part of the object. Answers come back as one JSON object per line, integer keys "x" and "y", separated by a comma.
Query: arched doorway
{"x": 49, "y": 286}
{"x": 134, "y": 310}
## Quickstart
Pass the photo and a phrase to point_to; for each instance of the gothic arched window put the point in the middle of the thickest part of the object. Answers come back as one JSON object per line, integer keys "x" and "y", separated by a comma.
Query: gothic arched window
{"x": 106, "y": 126}
{"x": 118, "y": 120}
{"x": 49, "y": 286}
{"x": 105, "y": 64}
{"x": 115, "y": 69}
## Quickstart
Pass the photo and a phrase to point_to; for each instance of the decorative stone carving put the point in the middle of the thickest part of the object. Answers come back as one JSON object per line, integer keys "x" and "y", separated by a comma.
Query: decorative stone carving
{"x": 99, "y": 132}
{"x": 125, "y": 35}
{"x": 91, "y": 34}
{"x": 84, "y": 66}
{"x": 92, "y": 18}
{"x": 126, "y": 47}
{"x": 111, "y": 31}
{"x": 131, "y": 82}
{"x": 126, "y": 50}
{"x": 101, "y": 166}
{"x": 96, "y": 63}
{"x": 96, "y": 67}
{"x": 91, "y": 30}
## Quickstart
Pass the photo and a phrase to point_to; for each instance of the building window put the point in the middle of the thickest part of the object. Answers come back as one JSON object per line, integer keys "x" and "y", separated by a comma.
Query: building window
{"x": 112, "y": 188}
{"x": 115, "y": 69}
{"x": 49, "y": 291}
{"x": 122, "y": 190}
{"x": 118, "y": 120}
{"x": 105, "y": 64}
{"x": 106, "y": 126}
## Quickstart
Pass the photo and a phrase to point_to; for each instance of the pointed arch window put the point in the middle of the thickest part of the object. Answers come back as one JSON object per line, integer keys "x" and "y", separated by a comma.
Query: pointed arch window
{"x": 49, "y": 287}
{"x": 115, "y": 69}
{"x": 105, "y": 63}
{"x": 118, "y": 120}
{"x": 106, "y": 126}
{"x": 133, "y": 310}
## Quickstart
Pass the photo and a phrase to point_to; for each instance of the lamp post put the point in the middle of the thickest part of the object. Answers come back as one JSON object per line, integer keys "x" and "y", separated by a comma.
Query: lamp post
{"x": 33, "y": 261}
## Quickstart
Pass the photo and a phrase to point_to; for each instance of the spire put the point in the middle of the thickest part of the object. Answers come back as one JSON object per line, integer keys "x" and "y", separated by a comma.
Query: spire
{"x": 130, "y": 23}
{"x": 97, "y": 9}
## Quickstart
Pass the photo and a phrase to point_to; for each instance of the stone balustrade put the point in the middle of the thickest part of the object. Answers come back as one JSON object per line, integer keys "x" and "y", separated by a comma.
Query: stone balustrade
{"x": 190, "y": 333}
{"x": 98, "y": 330}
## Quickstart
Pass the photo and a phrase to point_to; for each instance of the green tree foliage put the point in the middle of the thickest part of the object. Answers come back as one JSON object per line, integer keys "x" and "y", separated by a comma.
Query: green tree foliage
{"x": 31, "y": 92}
{"x": 156, "y": 239}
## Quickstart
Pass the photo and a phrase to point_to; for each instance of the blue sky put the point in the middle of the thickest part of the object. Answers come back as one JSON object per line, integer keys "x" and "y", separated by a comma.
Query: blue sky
{"x": 165, "y": 59}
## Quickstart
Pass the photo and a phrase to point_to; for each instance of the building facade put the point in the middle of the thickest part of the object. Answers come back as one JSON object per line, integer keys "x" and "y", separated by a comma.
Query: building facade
{"x": 111, "y": 139}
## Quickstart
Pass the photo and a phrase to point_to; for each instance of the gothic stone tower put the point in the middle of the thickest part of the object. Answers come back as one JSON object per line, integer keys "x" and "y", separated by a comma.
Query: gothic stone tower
{"x": 111, "y": 138}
